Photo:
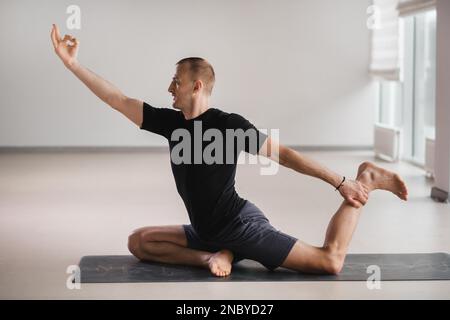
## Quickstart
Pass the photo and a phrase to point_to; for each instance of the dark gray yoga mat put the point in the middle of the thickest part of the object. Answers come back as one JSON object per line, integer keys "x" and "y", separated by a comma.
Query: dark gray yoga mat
{"x": 393, "y": 267}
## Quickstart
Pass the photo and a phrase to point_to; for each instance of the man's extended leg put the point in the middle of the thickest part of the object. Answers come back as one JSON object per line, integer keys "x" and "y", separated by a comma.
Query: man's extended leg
{"x": 168, "y": 244}
{"x": 330, "y": 257}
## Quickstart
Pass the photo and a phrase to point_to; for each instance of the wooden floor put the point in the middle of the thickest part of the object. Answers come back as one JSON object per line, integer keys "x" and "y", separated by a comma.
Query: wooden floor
{"x": 57, "y": 207}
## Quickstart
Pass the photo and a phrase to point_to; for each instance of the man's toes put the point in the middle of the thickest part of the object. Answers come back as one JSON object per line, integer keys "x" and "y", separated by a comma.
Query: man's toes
{"x": 217, "y": 271}
{"x": 403, "y": 189}
{"x": 222, "y": 272}
{"x": 402, "y": 195}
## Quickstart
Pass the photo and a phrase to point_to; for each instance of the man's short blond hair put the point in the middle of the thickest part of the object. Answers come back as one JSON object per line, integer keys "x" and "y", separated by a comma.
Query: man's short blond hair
{"x": 200, "y": 69}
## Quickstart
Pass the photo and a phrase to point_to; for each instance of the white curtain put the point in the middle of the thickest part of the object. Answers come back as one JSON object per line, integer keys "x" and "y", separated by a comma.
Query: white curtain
{"x": 385, "y": 64}
{"x": 411, "y": 7}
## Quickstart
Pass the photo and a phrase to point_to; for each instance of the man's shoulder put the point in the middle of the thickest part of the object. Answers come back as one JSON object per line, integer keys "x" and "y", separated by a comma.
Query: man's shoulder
{"x": 163, "y": 111}
{"x": 220, "y": 115}
{"x": 236, "y": 118}
{"x": 219, "y": 112}
{"x": 230, "y": 116}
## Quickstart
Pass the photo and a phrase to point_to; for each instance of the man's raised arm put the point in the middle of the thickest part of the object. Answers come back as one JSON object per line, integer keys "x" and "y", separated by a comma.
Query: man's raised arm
{"x": 67, "y": 49}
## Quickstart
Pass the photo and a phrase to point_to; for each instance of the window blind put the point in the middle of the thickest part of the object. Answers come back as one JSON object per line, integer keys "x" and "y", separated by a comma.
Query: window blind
{"x": 411, "y": 7}
{"x": 384, "y": 63}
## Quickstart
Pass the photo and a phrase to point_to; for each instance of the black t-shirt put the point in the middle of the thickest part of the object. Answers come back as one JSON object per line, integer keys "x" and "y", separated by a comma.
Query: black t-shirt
{"x": 206, "y": 187}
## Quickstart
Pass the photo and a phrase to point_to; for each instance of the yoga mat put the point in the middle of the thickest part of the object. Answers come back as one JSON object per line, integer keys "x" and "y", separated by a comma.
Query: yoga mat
{"x": 392, "y": 267}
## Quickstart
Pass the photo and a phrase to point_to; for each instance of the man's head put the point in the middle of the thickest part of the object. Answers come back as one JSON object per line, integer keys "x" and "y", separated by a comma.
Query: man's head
{"x": 193, "y": 80}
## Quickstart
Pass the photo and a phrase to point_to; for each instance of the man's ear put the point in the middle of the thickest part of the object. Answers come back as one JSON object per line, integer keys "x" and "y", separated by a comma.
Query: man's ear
{"x": 198, "y": 85}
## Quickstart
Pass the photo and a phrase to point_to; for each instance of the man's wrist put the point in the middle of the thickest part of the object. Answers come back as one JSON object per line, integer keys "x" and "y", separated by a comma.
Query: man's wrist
{"x": 72, "y": 65}
{"x": 340, "y": 184}
{"x": 336, "y": 181}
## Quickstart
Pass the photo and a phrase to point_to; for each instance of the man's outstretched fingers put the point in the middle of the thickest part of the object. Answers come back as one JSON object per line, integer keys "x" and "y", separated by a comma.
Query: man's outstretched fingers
{"x": 363, "y": 198}
{"x": 58, "y": 35}
{"x": 55, "y": 40}
{"x": 354, "y": 203}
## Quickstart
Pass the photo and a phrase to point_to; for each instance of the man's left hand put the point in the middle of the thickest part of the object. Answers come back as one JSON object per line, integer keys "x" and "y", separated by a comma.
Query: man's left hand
{"x": 355, "y": 193}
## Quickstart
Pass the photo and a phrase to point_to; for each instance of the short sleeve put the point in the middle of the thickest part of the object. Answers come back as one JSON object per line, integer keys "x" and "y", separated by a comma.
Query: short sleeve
{"x": 254, "y": 139}
{"x": 161, "y": 121}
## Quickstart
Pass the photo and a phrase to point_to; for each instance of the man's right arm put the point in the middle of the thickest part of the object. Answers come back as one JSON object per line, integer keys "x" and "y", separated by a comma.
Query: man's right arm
{"x": 67, "y": 50}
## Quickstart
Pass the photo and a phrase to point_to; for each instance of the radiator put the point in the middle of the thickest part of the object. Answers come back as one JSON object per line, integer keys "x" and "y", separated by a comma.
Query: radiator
{"x": 387, "y": 142}
{"x": 429, "y": 157}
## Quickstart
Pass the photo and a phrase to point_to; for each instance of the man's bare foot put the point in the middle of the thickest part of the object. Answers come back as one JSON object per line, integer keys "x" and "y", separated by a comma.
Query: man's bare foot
{"x": 375, "y": 177}
{"x": 220, "y": 263}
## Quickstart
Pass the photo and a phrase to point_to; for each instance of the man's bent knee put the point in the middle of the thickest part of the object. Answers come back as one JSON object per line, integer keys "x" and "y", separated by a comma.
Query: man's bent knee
{"x": 148, "y": 242}
{"x": 334, "y": 267}
{"x": 134, "y": 245}
{"x": 143, "y": 245}
{"x": 334, "y": 261}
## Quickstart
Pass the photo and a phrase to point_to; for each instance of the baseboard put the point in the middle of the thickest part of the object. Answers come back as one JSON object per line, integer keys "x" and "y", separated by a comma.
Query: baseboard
{"x": 331, "y": 148}
{"x": 83, "y": 149}
{"x": 93, "y": 149}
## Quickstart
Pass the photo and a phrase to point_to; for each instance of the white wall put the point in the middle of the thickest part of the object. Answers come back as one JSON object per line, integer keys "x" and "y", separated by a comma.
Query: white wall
{"x": 297, "y": 65}
{"x": 442, "y": 153}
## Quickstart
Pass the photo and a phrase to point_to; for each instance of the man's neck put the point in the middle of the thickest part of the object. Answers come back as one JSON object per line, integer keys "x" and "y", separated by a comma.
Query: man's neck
{"x": 195, "y": 110}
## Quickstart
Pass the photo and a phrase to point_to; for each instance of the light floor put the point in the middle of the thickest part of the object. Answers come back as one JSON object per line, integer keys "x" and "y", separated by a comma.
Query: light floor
{"x": 57, "y": 207}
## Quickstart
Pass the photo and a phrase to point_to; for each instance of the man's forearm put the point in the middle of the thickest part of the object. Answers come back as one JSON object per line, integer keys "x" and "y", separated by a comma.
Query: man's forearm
{"x": 103, "y": 89}
{"x": 300, "y": 163}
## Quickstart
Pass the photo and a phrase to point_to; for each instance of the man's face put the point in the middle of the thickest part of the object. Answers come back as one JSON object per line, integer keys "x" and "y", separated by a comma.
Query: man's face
{"x": 181, "y": 88}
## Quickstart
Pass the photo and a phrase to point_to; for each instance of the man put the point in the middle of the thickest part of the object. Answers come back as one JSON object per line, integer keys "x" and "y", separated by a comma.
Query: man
{"x": 224, "y": 227}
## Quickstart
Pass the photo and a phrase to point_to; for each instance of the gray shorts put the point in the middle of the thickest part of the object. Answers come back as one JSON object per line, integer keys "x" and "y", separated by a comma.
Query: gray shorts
{"x": 249, "y": 236}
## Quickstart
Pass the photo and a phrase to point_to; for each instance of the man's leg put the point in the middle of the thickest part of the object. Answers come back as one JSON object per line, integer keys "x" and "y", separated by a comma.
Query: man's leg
{"x": 330, "y": 258}
{"x": 168, "y": 244}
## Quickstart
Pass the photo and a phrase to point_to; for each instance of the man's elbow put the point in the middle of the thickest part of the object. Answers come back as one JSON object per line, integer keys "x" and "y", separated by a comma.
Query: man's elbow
{"x": 276, "y": 152}
{"x": 117, "y": 102}
{"x": 284, "y": 156}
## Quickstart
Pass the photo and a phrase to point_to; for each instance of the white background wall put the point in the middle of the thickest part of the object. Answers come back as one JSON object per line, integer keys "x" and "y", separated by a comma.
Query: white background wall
{"x": 442, "y": 154}
{"x": 297, "y": 65}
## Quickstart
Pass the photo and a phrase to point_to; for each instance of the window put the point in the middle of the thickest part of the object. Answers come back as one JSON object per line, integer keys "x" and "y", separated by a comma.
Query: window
{"x": 410, "y": 103}
{"x": 389, "y": 103}
{"x": 424, "y": 83}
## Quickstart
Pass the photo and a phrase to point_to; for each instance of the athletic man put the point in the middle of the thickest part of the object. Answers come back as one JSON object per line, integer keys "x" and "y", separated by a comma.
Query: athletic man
{"x": 224, "y": 227}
